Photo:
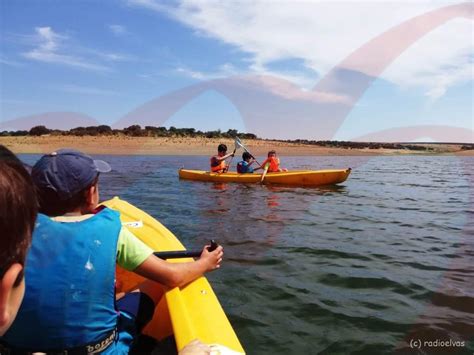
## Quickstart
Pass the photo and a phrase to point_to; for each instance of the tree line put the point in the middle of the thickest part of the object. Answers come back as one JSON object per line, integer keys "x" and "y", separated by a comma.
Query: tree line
{"x": 375, "y": 145}
{"x": 151, "y": 131}
{"x": 362, "y": 145}
{"x": 132, "y": 131}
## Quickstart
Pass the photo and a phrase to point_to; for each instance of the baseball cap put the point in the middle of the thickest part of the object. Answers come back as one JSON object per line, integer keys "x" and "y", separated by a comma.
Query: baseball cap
{"x": 67, "y": 172}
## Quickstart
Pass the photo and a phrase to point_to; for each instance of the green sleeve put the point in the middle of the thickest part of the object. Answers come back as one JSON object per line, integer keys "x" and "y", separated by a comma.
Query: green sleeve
{"x": 131, "y": 251}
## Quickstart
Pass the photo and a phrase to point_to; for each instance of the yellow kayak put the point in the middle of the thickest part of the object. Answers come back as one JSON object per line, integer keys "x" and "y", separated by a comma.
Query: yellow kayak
{"x": 188, "y": 313}
{"x": 290, "y": 178}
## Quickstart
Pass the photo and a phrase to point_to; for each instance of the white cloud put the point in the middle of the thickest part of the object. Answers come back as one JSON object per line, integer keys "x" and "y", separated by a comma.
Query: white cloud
{"x": 112, "y": 57}
{"x": 280, "y": 86}
{"x": 118, "y": 30}
{"x": 194, "y": 74}
{"x": 49, "y": 49}
{"x": 322, "y": 34}
{"x": 9, "y": 62}
{"x": 227, "y": 69}
{"x": 151, "y": 4}
{"x": 223, "y": 71}
{"x": 442, "y": 59}
{"x": 287, "y": 90}
{"x": 77, "y": 89}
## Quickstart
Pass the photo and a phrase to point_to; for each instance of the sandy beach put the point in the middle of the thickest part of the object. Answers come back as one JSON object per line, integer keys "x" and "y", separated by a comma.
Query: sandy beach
{"x": 125, "y": 145}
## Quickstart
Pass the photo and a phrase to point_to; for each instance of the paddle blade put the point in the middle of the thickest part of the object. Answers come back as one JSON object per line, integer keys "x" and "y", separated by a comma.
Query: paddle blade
{"x": 238, "y": 144}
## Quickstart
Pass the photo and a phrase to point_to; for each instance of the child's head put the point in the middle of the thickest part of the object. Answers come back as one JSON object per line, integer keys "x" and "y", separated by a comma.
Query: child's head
{"x": 246, "y": 156}
{"x": 272, "y": 154}
{"x": 18, "y": 210}
{"x": 221, "y": 149}
{"x": 67, "y": 181}
{"x": 7, "y": 154}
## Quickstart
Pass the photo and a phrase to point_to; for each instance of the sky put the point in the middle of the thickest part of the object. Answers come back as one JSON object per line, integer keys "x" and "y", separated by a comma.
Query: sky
{"x": 278, "y": 69}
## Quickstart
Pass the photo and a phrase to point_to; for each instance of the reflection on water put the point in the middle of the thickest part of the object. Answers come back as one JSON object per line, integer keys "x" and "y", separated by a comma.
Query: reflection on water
{"x": 362, "y": 267}
{"x": 220, "y": 186}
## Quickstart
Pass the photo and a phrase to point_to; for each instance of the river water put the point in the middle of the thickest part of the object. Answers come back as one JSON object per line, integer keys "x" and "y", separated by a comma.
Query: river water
{"x": 377, "y": 264}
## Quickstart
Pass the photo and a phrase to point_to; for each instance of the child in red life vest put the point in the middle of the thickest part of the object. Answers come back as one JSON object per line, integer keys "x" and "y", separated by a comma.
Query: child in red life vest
{"x": 272, "y": 163}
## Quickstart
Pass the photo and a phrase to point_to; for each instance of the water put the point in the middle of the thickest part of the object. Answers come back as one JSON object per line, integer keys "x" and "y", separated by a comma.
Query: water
{"x": 369, "y": 266}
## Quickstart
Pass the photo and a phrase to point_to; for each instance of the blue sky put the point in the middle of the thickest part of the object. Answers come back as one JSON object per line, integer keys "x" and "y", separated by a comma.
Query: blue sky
{"x": 105, "y": 59}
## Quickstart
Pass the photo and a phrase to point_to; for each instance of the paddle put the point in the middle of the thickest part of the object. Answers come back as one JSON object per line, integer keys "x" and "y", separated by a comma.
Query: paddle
{"x": 236, "y": 146}
{"x": 184, "y": 253}
{"x": 264, "y": 173}
{"x": 241, "y": 145}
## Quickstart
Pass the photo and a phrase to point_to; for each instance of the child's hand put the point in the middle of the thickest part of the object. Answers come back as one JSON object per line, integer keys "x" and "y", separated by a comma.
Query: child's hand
{"x": 212, "y": 259}
{"x": 195, "y": 347}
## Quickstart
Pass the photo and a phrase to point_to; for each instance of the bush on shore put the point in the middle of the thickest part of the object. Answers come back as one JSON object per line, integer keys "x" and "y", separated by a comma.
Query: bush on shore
{"x": 132, "y": 131}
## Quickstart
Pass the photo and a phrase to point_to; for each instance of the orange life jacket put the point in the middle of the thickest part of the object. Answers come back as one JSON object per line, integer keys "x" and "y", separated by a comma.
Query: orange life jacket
{"x": 274, "y": 164}
{"x": 217, "y": 166}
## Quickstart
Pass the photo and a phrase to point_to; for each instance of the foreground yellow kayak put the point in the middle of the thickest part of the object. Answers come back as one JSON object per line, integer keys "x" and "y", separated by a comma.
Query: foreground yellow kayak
{"x": 290, "y": 178}
{"x": 188, "y": 313}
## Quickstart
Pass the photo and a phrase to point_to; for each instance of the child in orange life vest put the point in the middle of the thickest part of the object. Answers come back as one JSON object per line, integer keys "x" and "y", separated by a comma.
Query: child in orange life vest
{"x": 218, "y": 164}
{"x": 272, "y": 163}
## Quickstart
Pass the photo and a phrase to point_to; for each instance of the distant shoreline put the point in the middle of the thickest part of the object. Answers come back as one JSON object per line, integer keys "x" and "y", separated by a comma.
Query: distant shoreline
{"x": 126, "y": 145}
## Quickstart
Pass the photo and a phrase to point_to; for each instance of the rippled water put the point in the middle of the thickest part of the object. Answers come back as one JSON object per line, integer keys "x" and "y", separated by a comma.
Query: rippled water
{"x": 385, "y": 259}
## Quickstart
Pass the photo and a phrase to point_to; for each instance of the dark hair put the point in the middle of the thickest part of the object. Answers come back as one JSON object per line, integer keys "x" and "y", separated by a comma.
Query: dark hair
{"x": 246, "y": 155}
{"x": 7, "y": 154}
{"x": 222, "y": 148}
{"x": 271, "y": 152}
{"x": 18, "y": 211}
{"x": 51, "y": 205}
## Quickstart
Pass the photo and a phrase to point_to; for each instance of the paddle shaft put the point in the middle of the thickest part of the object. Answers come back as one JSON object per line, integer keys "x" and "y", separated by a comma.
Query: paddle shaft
{"x": 245, "y": 148}
{"x": 177, "y": 254}
{"x": 253, "y": 157}
{"x": 265, "y": 170}
{"x": 230, "y": 162}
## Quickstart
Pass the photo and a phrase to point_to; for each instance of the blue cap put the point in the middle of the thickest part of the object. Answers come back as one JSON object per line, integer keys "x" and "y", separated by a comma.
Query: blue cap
{"x": 67, "y": 172}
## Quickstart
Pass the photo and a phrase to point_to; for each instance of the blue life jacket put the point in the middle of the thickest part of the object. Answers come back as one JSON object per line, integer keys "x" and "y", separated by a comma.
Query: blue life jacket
{"x": 70, "y": 284}
{"x": 244, "y": 167}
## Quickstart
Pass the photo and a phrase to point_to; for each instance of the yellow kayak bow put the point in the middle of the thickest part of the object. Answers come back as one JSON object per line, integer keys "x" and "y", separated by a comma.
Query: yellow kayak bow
{"x": 188, "y": 313}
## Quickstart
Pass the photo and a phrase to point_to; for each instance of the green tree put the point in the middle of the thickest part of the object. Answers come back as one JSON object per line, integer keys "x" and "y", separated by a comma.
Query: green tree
{"x": 38, "y": 131}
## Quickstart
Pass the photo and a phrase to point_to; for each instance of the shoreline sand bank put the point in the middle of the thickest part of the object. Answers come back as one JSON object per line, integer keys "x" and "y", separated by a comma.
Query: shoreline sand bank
{"x": 124, "y": 145}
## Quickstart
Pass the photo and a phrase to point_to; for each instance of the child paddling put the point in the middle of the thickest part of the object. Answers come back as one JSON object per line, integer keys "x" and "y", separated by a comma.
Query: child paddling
{"x": 218, "y": 164}
{"x": 271, "y": 164}
{"x": 245, "y": 166}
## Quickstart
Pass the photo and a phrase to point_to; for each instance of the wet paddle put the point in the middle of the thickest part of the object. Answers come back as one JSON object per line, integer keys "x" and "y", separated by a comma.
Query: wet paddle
{"x": 177, "y": 254}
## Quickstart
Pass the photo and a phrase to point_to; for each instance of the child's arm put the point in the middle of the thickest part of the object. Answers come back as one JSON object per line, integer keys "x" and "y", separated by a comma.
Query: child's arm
{"x": 179, "y": 274}
{"x": 224, "y": 157}
{"x": 136, "y": 256}
{"x": 262, "y": 166}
